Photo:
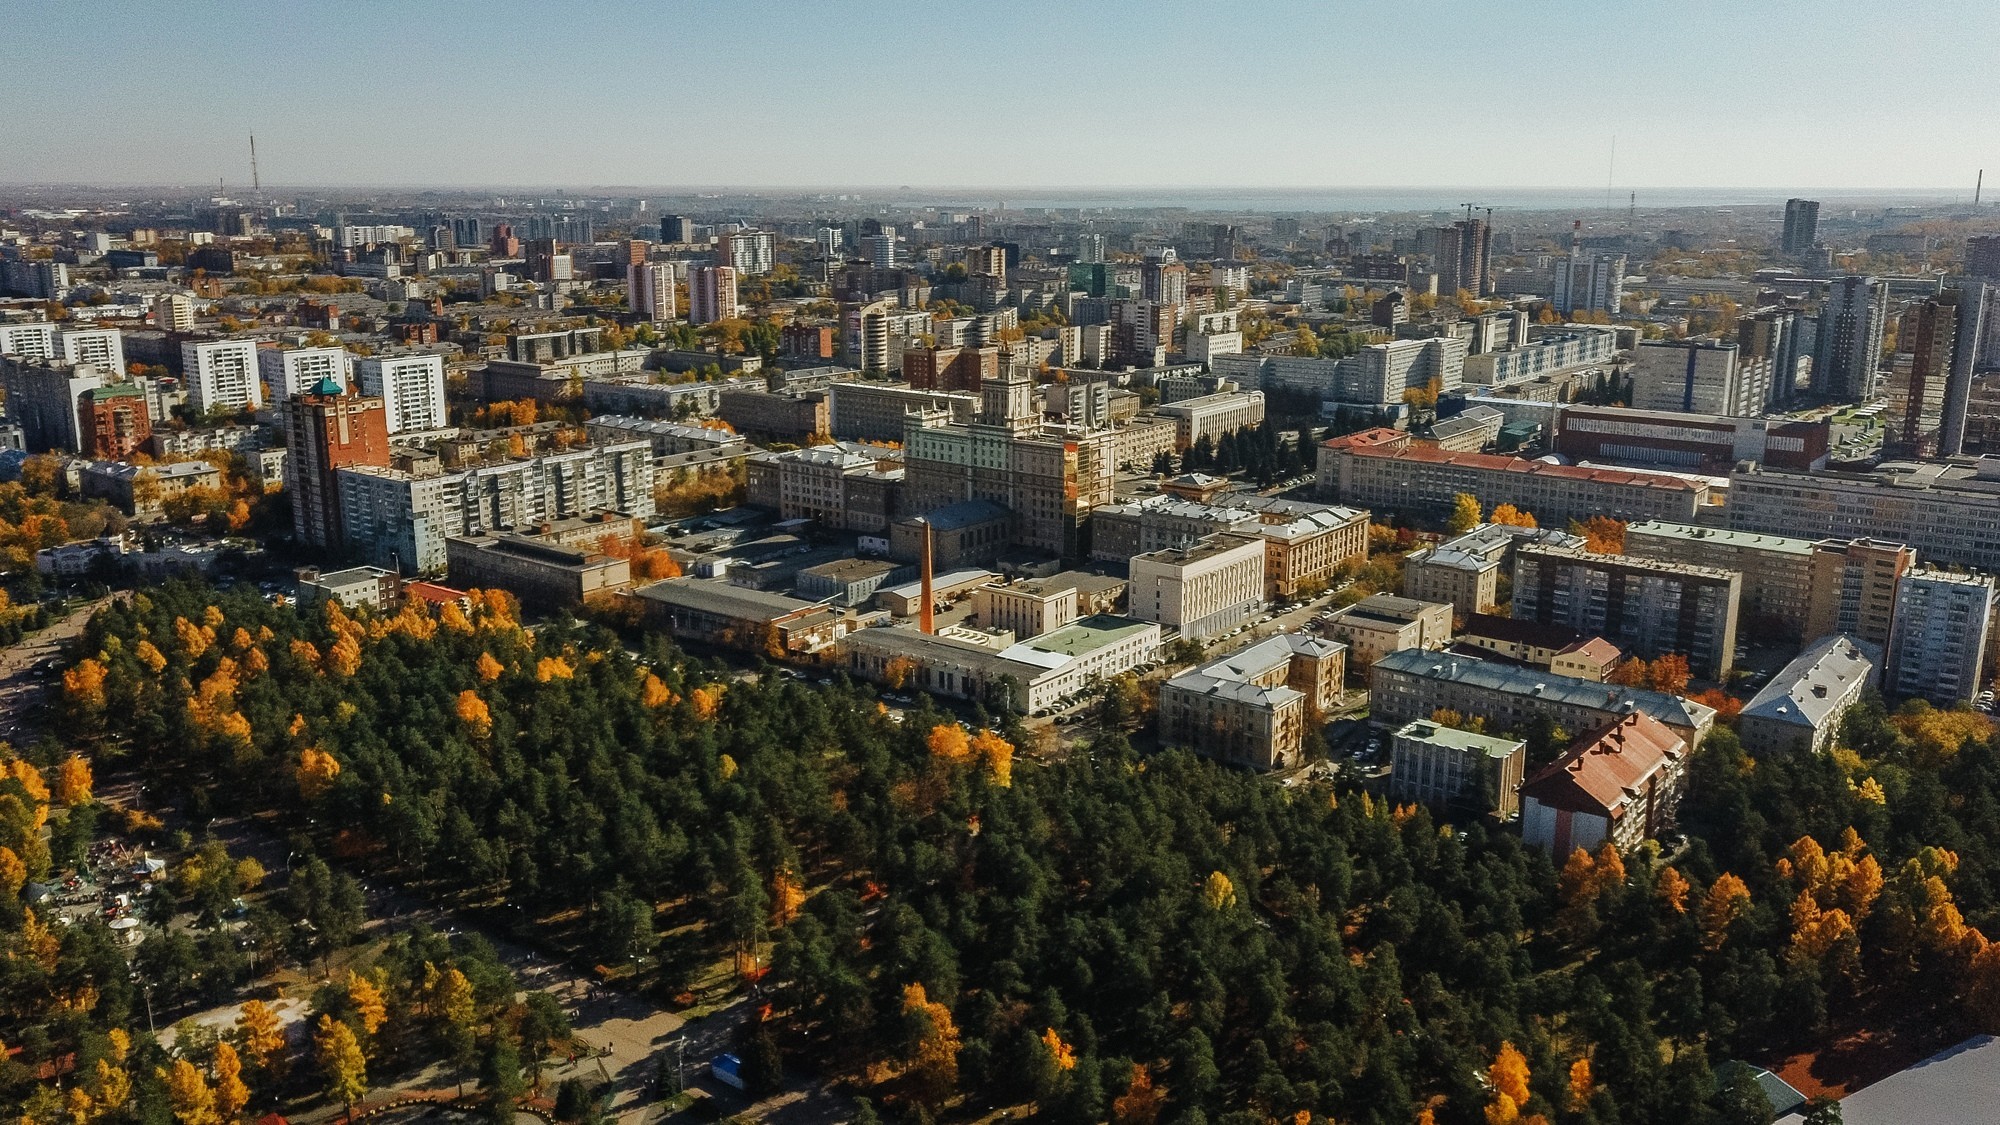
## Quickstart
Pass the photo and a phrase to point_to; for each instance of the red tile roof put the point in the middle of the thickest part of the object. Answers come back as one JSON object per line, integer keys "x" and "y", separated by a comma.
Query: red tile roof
{"x": 1377, "y": 443}
{"x": 1601, "y": 772}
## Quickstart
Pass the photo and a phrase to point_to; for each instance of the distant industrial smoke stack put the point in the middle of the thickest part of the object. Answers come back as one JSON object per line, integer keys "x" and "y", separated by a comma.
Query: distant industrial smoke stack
{"x": 924, "y": 620}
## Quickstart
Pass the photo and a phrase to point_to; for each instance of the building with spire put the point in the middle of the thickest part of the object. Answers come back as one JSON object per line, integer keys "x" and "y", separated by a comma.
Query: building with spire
{"x": 1049, "y": 476}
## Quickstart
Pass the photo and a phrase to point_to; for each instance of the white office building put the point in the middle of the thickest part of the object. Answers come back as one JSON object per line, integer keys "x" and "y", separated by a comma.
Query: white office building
{"x": 221, "y": 374}
{"x": 411, "y": 387}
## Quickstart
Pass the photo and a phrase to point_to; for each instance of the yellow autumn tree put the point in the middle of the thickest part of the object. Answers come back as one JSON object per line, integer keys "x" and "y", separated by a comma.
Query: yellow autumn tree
{"x": 1727, "y": 900}
{"x": 1218, "y": 891}
{"x": 933, "y": 1065}
{"x": 13, "y": 873}
{"x": 998, "y": 754}
{"x": 188, "y": 1094}
{"x": 1464, "y": 514}
{"x": 343, "y": 1069}
{"x": 948, "y": 743}
{"x": 110, "y": 1087}
{"x": 1062, "y": 1054}
{"x": 315, "y": 772}
{"x": 194, "y": 639}
{"x": 73, "y": 781}
{"x": 1141, "y": 1103}
{"x": 83, "y": 684}
{"x": 787, "y": 895}
{"x": 1581, "y": 1085}
{"x": 1509, "y": 1078}
{"x": 366, "y": 997}
{"x": 488, "y": 668}
{"x": 1672, "y": 889}
{"x": 150, "y": 655}
{"x": 654, "y": 693}
{"x": 231, "y": 1095}
{"x": 553, "y": 668}
{"x": 344, "y": 658}
{"x": 472, "y": 711}
{"x": 263, "y": 1036}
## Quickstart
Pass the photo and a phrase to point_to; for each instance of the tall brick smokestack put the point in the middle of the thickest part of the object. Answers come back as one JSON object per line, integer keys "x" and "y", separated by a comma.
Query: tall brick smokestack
{"x": 925, "y": 622}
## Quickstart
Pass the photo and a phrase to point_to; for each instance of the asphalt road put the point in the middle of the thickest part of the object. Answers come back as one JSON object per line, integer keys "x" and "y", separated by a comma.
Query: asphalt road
{"x": 20, "y": 692}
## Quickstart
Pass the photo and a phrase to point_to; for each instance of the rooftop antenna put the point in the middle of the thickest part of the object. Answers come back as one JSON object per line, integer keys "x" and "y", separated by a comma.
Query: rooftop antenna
{"x": 256, "y": 184}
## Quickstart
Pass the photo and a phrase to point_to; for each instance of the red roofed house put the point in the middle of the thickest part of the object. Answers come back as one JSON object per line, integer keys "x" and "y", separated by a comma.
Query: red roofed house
{"x": 1621, "y": 783}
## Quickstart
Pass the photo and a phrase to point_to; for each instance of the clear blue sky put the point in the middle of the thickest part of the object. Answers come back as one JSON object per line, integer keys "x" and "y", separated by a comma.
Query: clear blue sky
{"x": 1790, "y": 94}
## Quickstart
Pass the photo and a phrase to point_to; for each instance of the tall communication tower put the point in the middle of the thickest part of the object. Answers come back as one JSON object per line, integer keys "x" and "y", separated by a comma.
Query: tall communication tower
{"x": 256, "y": 184}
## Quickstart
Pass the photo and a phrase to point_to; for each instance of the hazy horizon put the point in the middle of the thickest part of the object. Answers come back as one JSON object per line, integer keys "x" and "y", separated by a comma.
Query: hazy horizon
{"x": 1027, "y": 94}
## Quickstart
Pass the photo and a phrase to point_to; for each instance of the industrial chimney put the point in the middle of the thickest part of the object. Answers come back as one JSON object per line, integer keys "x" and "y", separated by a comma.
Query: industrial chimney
{"x": 924, "y": 621}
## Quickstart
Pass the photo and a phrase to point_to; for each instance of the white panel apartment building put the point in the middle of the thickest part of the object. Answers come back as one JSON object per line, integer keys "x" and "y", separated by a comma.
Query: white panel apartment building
{"x": 290, "y": 371}
{"x": 221, "y": 373}
{"x": 411, "y": 387}
{"x": 389, "y": 516}
{"x": 102, "y": 348}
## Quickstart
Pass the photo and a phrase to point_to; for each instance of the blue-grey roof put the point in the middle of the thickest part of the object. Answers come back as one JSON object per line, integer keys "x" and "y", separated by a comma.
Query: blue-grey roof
{"x": 1817, "y": 683}
{"x": 1508, "y": 679}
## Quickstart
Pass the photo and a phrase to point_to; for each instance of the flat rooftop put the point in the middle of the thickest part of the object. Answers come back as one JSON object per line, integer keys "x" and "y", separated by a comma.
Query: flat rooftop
{"x": 1451, "y": 738}
{"x": 1721, "y": 537}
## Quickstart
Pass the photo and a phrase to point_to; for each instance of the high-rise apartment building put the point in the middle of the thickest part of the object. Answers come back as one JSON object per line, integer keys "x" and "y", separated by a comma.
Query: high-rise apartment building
{"x": 1772, "y": 335}
{"x": 1918, "y": 375}
{"x": 174, "y": 312}
{"x": 1090, "y": 249}
{"x": 674, "y": 228}
{"x": 328, "y": 430}
{"x": 1977, "y": 317}
{"x": 1801, "y": 226}
{"x": 102, "y": 348}
{"x": 290, "y": 371}
{"x": 987, "y": 261}
{"x": 1163, "y": 280}
{"x": 649, "y": 290}
{"x": 1982, "y": 256}
{"x": 750, "y": 252}
{"x": 1849, "y": 346}
{"x": 35, "y": 339}
{"x": 1937, "y": 642}
{"x": 1589, "y": 282}
{"x": 221, "y": 374}
{"x": 114, "y": 420}
{"x": 1465, "y": 257}
{"x": 879, "y": 250}
{"x": 711, "y": 294}
{"x": 1647, "y": 606}
{"x": 43, "y": 396}
{"x": 411, "y": 387}
{"x": 1854, "y": 588}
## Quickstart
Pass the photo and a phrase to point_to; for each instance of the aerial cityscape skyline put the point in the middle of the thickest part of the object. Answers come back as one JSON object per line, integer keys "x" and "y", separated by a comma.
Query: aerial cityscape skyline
{"x": 654, "y": 563}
